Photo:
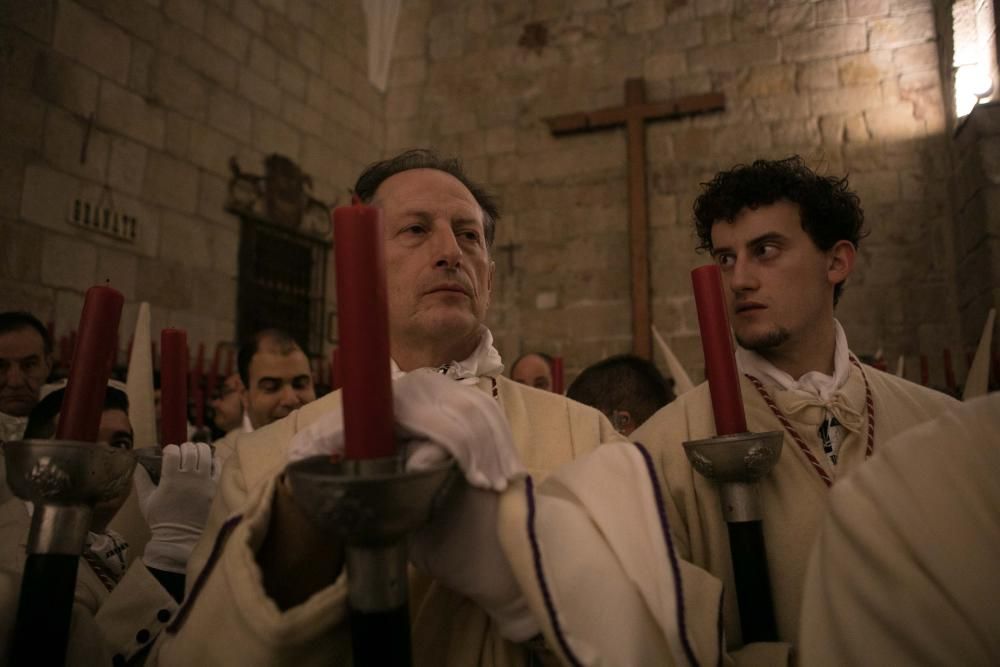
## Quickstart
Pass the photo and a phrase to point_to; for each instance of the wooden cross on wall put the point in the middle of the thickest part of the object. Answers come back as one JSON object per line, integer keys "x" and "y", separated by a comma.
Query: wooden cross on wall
{"x": 634, "y": 115}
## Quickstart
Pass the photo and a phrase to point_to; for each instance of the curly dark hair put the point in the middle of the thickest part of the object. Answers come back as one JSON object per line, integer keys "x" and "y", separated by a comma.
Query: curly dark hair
{"x": 830, "y": 212}
{"x": 421, "y": 158}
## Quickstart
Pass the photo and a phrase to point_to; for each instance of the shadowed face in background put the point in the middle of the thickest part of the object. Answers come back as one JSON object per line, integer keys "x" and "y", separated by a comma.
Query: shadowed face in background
{"x": 280, "y": 382}
{"x": 227, "y": 405}
{"x": 23, "y": 369}
{"x": 533, "y": 371}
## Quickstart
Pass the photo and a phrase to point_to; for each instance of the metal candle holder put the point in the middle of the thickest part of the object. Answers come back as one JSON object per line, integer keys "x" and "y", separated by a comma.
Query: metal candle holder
{"x": 64, "y": 480}
{"x": 372, "y": 505}
{"x": 736, "y": 463}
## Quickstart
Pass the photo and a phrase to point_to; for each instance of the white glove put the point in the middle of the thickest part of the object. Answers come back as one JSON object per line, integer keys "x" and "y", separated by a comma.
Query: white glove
{"x": 437, "y": 418}
{"x": 177, "y": 509}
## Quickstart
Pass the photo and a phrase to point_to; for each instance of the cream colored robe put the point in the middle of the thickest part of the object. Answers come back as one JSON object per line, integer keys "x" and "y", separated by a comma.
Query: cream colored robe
{"x": 794, "y": 499}
{"x": 906, "y": 569}
{"x": 231, "y": 620}
{"x": 104, "y": 624}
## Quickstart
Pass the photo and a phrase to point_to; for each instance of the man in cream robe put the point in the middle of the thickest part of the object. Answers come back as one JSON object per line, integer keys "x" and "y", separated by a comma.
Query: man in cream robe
{"x": 904, "y": 571}
{"x": 784, "y": 257}
{"x": 439, "y": 227}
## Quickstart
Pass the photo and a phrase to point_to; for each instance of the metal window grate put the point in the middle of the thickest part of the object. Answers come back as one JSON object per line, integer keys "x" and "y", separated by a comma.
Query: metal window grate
{"x": 282, "y": 282}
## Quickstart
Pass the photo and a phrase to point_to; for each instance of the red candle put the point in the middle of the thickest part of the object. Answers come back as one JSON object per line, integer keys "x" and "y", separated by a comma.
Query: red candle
{"x": 925, "y": 374}
{"x": 80, "y": 416}
{"x": 949, "y": 371}
{"x": 557, "y": 375}
{"x": 335, "y": 381}
{"x": 717, "y": 343}
{"x": 173, "y": 387}
{"x": 363, "y": 323}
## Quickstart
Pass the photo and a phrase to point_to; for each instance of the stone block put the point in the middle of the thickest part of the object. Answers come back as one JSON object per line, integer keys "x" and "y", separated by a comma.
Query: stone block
{"x": 165, "y": 284}
{"x": 818, "y": 75}
{"x": 46, "y": 195}
{"x": 185, "y": 239}
{"x": 765, "y": 80}
{"x": 64, "y": 145}
{"x": 830, "y": 11}
{"x": 407, "y": 72}
{"x": 63, "y": 82}
{"x": 140, "y": 68}
{"x": 214, "y": 63}
{"x": 29, "y": 296}
{"x": 22, "y": 117}
{"x": 665, "y": 65}
{"x": 122, "y": 111}
{"x": 403, "y": 103}
{"x": 225, "y": 246}
{"x": 501, "y": 140}
{"x": 824, "y": 42}
{"x": 210, "y": 149}
{"x": 139, "y": 19}
{"x": 797, "y": 133}
{"x": 785, "y": 19}
{"x": 188, "y": 13}
{"x": 845, "y": 100}
{"x": 21, "y": 253}
{"x": 292, "y": 78}
{"x": 915, "y": 58}
{"x": 126, "y": 165}
{"x": 118, "y": 268}
{"x": 215, "y": 295}
{"x": 876, "y": 187}
{"x": 713, "y": 7}
{"x": 68, "y": 262}
{"x": 858, "y": 9}
{"x": 856, "y": 128}
{"x": 229, "y": 114}
{"x": 717, "y": 29}
{"x": 66, "y": 308}
{"x": 171, "y": 183}
{"x": 33, "y": 17}
{"x": 310, "y": 52}
{"x": 317, "y": 93}
{"x": 782, "y": 107}
{"x": 893, "y": 123}
{"x": 178, "y": 134}
{"x": 733, "y": 56}
{"x": 445, "y": 37}
{"x": 249, "y": 14}
{"x": 263, "y": 59}
{"x": 259, "y": 91}
{"x": 644, "y": 15}
{"x": 226, "y": 33}
{"x": 865, "y": 68}
{"x": 92, "y": 40}
{"x": 12, "y": 165}
{"x": 302, "y": 117}
{"x": 679, "y": 36}
{"x": 177, "y": 86}
{"x": 272, "y": 135}
{"x": 213, "y": 195}
{"x": 894, "y": 32}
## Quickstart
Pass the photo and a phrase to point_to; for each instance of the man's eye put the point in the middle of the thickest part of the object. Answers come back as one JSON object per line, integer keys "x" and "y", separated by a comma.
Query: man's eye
{"x": 269, "y": 387}
{"x": 470, "y": 235}
{"x": 725, "y": 259}
{"x": 767, "y": 251}
{"x": 121, "y": 443}
{"x": 301, "y": 383}
{"x": 29, "y": 364}
{"x": 415, "y": 230}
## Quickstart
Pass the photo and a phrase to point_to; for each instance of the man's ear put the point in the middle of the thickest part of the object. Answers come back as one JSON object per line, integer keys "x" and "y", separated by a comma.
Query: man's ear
{"x": 840, "y": 261}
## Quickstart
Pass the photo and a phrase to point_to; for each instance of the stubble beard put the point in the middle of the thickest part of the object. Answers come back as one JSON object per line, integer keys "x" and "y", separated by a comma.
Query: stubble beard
{"x": 764, "y": 342}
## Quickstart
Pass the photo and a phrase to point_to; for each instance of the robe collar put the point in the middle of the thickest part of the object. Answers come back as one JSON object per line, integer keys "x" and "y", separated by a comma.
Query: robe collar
{"x": 484, "y": 361}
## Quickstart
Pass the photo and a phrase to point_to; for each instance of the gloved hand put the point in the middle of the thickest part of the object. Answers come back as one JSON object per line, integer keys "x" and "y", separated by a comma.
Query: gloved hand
{"x": 177, "y": 509}
{"x": 437, "y": 418}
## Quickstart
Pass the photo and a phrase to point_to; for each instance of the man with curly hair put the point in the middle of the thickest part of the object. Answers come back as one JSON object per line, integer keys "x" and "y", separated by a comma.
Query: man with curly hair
{"x": 786, "y": 239}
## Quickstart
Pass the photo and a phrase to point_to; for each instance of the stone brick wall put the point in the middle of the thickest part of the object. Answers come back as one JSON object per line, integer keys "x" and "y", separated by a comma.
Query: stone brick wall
{"x": 157, "y": 95}
{"x": 852, "y": 85}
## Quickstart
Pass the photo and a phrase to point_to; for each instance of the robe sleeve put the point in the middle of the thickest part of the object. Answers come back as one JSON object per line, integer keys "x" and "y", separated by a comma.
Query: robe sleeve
{"x": 905, "y": 567}
{"x": 593, "y": 552}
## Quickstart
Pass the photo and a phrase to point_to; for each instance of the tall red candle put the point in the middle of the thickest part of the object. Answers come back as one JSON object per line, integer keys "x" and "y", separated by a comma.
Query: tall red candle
{"x": 80, "y": 416}
{"x": 173, "y": 386}
{"x": 557, "y": 375}
{"x": 363, "y": 323}
{"x": 717, "y": 343}
{"x": 925, "y": 373}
